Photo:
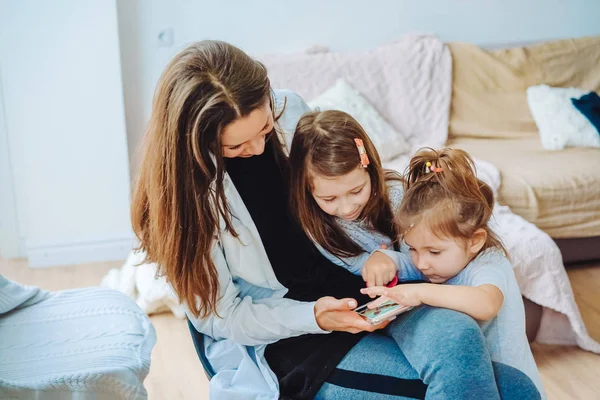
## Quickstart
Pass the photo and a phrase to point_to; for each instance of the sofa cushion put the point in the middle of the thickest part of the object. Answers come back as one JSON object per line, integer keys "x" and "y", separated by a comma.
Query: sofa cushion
{"x": 560, "y": 123}
{"x": 589, "y": 106}
{"x": 341, "y": 96}
{"x": 488, "y": 89}
{"x": 557, "y": 191}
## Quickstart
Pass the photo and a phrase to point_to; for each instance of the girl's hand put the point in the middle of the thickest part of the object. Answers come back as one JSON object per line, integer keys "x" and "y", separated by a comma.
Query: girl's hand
{"x": 337, "y": 315}
{"x": 408, "y": 294}
{"x": 378, "y": 270}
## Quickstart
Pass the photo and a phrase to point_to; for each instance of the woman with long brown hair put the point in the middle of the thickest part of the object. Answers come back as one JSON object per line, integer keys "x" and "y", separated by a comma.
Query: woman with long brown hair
{"x": 210, "y": 208}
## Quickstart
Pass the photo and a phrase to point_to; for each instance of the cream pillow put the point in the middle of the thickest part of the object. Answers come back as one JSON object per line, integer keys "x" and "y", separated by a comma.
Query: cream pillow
{"x": 559, "y": 122}
{"x": 341, "y": 96}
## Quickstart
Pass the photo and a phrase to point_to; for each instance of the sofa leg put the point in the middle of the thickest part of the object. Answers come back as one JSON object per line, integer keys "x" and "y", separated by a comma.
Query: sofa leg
{"x": 533, "y": 318}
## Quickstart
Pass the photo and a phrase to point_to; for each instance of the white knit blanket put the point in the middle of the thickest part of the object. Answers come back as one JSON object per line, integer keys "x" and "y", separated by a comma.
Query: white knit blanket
{"x": 140, "y": 281}
{"x": 410, "y": 83}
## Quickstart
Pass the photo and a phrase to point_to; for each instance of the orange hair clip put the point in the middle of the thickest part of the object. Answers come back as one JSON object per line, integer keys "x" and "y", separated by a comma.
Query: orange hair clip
{"x": 429, "y": 168}
{"x": 362, "y": 152}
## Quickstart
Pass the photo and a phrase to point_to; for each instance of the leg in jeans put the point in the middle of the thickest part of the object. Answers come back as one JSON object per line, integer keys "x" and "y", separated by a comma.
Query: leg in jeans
{"x": 374, "y": 369}
{"x": 448, "y": 349}
{"x": 449, "y": 353}
{"x": 514, "y": 384}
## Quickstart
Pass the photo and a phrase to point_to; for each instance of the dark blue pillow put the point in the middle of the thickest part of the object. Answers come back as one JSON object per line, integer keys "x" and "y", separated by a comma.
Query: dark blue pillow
{"x": 589, "y": 106}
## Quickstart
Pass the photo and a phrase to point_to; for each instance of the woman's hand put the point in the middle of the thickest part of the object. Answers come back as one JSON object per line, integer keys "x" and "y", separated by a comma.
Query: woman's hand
{"x": 407, "y": 294}
{"x": 379, "y": 269}
{"x": 337, "y": 315}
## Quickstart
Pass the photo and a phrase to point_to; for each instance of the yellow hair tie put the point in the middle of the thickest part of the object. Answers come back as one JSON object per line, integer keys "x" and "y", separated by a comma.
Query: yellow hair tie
{"x": 429, "y": 168}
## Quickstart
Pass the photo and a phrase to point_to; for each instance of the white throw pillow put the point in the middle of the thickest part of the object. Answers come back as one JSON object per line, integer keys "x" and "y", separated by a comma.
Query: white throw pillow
{"x": 341, "y": 96}
{"x": 559, "y": 122}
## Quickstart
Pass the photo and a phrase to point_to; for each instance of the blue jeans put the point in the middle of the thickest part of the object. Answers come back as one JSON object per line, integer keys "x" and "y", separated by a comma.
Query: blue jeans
{"x": 430, "y": 353}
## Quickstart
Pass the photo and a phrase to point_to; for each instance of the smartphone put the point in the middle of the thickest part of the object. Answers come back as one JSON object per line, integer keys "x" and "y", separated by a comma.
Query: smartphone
{"x": 385, "y": 311}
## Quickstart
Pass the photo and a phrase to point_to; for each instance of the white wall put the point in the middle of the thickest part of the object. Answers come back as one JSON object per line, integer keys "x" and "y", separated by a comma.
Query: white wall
{"x": 265, "y": 26}
{"x": 65, "y": 123}
{"x": 9, "y": 230}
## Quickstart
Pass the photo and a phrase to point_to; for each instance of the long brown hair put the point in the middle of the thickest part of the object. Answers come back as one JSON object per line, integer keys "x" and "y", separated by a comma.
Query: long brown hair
{"x": 324, "y": 144}
{"x": 443, "y": 191}
{"x": 179, "y": 197}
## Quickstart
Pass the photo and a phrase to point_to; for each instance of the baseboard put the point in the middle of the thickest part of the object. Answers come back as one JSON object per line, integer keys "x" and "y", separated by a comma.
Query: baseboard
{"x": 100, "y": 250}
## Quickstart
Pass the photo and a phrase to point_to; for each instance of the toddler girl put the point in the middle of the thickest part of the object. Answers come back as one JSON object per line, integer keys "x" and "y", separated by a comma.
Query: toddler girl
{"x": 444, "y": 221}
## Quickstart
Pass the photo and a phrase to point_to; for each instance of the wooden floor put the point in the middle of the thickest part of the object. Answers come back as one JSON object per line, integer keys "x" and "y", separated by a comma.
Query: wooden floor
{"x": 568, "y": 373}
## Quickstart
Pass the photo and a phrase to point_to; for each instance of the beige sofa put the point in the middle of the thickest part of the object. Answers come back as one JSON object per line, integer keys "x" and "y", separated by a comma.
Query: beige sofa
{"x": 558, "y": 191}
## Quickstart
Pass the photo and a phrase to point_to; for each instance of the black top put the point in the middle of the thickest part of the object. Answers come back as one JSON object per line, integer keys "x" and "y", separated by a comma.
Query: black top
{"x": 302, "y": 363}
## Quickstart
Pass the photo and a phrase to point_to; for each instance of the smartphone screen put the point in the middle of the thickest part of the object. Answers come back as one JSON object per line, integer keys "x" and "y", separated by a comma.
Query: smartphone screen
{"x": 382, "y": 313}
